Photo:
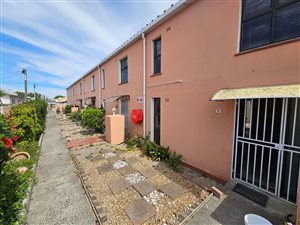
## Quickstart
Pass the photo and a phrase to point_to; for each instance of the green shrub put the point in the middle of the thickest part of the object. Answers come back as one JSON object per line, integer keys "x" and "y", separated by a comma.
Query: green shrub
{"x": 26, "y": 122}
{"x": 135, "y": 142}
{"x": 5, "y": 132}
{"x": 75, "y": 116}
{"x": 67, "y": 109}
{"x": 94, "y": 119}
{"x": 174, "y": 161}
{"x": 14, "y": 186}
{"x": 41, "y": 109}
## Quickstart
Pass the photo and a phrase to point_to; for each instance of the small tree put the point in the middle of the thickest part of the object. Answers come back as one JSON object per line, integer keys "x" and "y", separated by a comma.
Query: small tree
{"x": 93, "y": 118}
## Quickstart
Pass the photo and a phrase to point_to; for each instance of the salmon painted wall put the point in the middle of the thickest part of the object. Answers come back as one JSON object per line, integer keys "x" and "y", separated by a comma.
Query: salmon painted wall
{"x": 198, "y": 47}
{"x": 133, "y": 88}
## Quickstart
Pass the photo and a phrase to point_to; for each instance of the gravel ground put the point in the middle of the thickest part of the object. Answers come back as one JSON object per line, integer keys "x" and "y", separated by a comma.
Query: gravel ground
{"x": 167, "y": 209}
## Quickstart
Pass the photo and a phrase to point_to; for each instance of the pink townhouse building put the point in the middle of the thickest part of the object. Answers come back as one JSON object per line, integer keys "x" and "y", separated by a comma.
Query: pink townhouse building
{"x": 218, "y": 82}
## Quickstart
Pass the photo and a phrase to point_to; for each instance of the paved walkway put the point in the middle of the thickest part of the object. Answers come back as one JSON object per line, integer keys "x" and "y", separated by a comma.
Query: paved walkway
{"x": 58, "y": 197}
{"x": 232, "y": 209}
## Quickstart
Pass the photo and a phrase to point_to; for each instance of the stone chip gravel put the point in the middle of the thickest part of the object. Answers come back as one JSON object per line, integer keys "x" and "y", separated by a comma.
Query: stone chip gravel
{"x": 134, "y": 178}
{"x": 120, "y": 164}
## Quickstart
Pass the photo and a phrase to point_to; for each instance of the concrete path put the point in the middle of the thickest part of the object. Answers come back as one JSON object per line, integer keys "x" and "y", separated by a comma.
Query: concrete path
{"x": 232, "y": 209}
{"x": 58, "y": 197}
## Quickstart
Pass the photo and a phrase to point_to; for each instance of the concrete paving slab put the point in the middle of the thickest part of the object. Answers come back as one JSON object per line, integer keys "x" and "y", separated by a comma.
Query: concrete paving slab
{"x": 126, "y": 170}
{"x": 148, "y": 172}
{"x": 114, "y": 159}
{"x": 58, "y": 197}
{"x": 140, "y": 211}
{"x": 105, "y": 168}
{"x": 145, "y": 187}
{"x": 119, "y": 185}
{"x": 172, "y": 190}
{"x": 132, "y": 160}
{"x": 97, "y": 158}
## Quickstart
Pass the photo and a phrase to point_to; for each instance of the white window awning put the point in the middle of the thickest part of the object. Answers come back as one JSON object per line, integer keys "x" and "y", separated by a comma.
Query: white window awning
{"x": 115, "y": 98}
{"x": 280, "y": 91}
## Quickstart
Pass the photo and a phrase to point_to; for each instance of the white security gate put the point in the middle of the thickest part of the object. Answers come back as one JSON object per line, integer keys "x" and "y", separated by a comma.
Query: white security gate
{"x": 267, "y": 145}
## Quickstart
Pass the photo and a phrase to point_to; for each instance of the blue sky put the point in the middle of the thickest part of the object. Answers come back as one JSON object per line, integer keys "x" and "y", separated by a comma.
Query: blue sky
{"x": 57, "y": 41}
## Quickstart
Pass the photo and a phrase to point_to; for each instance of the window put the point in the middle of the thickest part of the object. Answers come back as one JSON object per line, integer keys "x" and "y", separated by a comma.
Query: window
{"x": 73, "y": 91}
{"x": 269, "y": 21}
{"x": 80, "y": 88}
{"x": 84, "y": 86}
{"x": 13, "y": 101}
{"x": 93, "y": 83}
{"x": 103, "y": 79}
{"x": 157, "y": 56}
{"x": 124, "y": 71}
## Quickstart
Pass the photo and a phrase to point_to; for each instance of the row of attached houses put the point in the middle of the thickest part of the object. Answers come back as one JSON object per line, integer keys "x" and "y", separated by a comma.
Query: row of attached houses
{"x": 218, "y": 82}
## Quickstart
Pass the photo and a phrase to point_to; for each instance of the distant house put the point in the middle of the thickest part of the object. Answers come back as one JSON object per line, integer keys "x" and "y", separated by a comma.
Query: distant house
{"x": 10, "y": 98}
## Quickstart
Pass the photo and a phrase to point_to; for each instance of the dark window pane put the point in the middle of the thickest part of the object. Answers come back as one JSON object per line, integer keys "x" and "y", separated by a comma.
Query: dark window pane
{"x": 283, "y": 1}
{"x": 157, "y": 55}
{"x": 157, "y": 65}
{"x": 256, "y": 32}
{"x": 287, "y": 23}
{"x": 255, "y": 7}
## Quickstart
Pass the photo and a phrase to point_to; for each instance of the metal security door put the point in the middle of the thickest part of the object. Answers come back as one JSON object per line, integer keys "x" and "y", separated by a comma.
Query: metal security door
{"x": 267, "y": 145}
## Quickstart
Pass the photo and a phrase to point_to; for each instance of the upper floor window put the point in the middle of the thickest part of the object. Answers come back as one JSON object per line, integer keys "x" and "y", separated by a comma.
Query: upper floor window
{"x": 93, "y": 83}
{"x": 124, "y": 71}
{"x": 73, "y": 91}
{"x": 84, "y": 86}
{"x": 157, "y": 56}
{"x": 103, "y": 79}
{"x": 269, "y": 21}
{"x": 80, "y": 87}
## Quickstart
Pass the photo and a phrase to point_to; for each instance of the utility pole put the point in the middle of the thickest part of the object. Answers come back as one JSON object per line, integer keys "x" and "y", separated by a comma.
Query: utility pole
{"x": 34, "y": 85}
{"x": 24, "y": 71}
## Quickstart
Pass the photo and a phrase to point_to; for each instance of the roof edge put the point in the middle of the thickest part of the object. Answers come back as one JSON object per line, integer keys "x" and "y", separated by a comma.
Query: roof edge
{"x": 173, "y": 10}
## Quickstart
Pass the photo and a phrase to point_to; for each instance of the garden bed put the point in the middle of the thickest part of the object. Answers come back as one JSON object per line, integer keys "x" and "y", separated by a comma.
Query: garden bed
{"x": 129, "y": 188}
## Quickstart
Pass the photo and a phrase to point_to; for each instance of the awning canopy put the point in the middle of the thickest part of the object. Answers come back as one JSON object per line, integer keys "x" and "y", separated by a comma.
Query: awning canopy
{"x": 115, "y": 98}
{"x": 280, "y": 91}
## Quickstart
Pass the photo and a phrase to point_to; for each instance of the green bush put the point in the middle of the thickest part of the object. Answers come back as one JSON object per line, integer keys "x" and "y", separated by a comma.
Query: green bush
{"x": 75, "y": 116}
{"x": 135, "y": 142}
{"x": 67, "y": 109}
{"x": 14, "y": 186}
{"x": 94, "y": 119}
{"x": 5, "y": 132}
{"x": 41, "y": 108}
{"x": 26, "y": 121}
{"x": 174, "y": 161}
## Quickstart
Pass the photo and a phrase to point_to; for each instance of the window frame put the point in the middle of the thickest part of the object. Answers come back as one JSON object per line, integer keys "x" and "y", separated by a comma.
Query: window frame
{"x": 154, "y": 56}
{"x": 121, "y": 69}
{"x": 92, "y": 83}
{"x": 275, "y": 7}
{"x": 80, "y": 87}
{"x": 103, "y": 78}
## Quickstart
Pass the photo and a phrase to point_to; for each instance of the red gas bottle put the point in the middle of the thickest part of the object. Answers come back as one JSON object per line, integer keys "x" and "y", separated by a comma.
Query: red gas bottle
{"x": 137, "y": 116}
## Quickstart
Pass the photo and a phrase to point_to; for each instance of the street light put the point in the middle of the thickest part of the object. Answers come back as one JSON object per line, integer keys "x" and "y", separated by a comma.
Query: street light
{"x": 24, "y": 71}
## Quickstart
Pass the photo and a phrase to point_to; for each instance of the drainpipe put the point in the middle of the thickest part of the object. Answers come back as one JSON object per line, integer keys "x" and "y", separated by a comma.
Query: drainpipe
{"x": 144, "y": 84}
{"x": 100, "y": 89}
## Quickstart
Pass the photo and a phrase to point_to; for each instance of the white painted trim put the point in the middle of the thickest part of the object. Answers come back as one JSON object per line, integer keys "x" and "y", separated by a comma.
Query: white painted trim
{"x": 233, "y": 139}
{"x": 152, "y": 120}
{"x": 119, "y": 71}
{"x": 239, "y": 27}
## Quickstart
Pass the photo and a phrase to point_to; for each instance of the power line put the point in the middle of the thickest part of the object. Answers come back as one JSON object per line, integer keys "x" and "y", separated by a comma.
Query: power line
{"x": 10, "y": 72}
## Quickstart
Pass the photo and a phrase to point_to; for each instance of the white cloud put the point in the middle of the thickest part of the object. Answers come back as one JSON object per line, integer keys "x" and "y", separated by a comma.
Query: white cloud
{"x": 67, "y": 38}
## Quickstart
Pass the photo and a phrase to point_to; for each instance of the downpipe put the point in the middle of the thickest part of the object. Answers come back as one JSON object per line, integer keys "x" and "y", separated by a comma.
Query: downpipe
{"x": 144, "y": 85}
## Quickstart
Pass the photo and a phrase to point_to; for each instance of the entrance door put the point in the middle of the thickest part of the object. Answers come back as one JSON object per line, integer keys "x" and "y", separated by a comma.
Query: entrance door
{"x": 156, "y": 120}
{"x": 266, "y": 150}
{"x": 124, "y": 111}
